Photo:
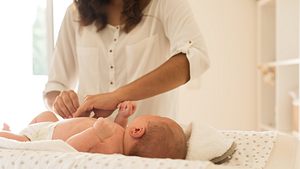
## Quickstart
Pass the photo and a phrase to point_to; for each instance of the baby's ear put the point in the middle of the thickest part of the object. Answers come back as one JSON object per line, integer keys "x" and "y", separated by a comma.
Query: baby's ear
{"x": 136, "y": 132}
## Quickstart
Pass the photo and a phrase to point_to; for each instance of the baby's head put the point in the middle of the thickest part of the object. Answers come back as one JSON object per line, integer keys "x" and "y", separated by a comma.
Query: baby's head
{"x": 155, "y": 137}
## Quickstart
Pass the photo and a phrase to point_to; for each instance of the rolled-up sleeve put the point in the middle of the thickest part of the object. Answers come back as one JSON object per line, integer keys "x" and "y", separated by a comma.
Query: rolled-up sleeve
{"x": 63, "y": 70}
{"x": 184, "y": 35}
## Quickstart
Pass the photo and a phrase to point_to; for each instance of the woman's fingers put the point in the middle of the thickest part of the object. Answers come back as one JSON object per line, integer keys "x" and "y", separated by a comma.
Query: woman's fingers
{"x": 66, "y": 103}
{"x": 82, "y": 111}
{"x": 102, "y": 104}
{"x": 66, "y": 99}
{"x": 60, "y": 108}
{"x": 74, "y": 98}
{"x": 85, "y": 109}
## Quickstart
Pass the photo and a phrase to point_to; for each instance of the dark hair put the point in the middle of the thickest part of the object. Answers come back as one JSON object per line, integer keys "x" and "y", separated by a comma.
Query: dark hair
{"x": 93, "y": 11}
{"x": 160, "y": 141}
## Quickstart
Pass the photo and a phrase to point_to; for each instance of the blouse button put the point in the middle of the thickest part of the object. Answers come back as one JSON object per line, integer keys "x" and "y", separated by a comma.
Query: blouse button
{"x": 110, "y": 50}
{"x": 111, "y": 67}
{"x": 111, "y": 83}
{"x": 115, "y": 39}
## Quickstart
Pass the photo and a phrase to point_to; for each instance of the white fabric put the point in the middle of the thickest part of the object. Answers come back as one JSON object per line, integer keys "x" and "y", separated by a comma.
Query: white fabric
{"x": 111, "y": 58}
{"x": 28, "y": 159}
{"x": 42, "y": 145}
{"x": 39, "y": 131}
{"x": 206, "y": 143}
{"x": 253, "y": 148}
{"x": 12, "y": 157}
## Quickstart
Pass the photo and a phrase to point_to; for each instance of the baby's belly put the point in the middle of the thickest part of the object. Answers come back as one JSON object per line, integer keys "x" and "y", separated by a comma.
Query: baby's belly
{"x": 67, "y": 128}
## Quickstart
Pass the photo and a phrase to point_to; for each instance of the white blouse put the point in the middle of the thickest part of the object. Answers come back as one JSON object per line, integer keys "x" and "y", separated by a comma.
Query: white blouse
{"x": 98, "y": 62}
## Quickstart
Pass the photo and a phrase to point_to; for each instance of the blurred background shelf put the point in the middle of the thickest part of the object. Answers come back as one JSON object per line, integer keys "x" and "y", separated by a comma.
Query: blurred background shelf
{"x": 278, "y": 65}
{"x": 288, "y": 62}
{"x": 265, "y": 2}
{"x": 267, "y": 127}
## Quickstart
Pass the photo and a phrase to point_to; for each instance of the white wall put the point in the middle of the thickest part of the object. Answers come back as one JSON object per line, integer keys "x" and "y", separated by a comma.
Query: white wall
{"x": 227, "y": 98}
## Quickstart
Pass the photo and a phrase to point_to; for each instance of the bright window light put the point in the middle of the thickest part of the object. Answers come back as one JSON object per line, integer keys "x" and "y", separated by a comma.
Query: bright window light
{"x": 21, "y": 90}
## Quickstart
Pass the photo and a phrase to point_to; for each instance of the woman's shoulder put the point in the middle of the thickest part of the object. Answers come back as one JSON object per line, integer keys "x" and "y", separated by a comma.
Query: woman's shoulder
{"x": 72, "y": 11}
{"x": 163, "y": 6}
{"x": 168, "y": 3}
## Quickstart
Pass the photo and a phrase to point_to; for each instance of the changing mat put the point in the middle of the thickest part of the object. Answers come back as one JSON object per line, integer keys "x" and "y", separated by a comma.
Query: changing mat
{"x": 253, "y": 148}
{"x": 252, "y": 152}
{"x": 59, "y": 155}
{"x": 43, "y": 145}
{"x": 28, "y": 159}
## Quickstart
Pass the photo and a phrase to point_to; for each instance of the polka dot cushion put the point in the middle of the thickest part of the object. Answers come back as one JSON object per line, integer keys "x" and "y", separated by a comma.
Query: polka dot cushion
{"x": 252, "y": 152}
{"x": 28, "y": 159}
{"x": 253, "y": 148}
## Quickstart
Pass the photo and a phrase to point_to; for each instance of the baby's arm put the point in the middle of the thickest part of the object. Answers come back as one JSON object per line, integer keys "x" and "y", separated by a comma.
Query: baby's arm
{"x": 89, "y": 139}
{"x": 126, "y": 109}
{"x": 84, "y": 141}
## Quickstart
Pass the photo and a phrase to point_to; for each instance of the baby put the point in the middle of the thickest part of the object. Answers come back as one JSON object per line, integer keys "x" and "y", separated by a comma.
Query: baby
{"x": 146, "y": 136}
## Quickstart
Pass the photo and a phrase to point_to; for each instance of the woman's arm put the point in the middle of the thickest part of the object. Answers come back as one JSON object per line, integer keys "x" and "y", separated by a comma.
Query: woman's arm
{"x": 168, "y": 76}
{"x": 188, "y": 60}
{"x": 171, "y": 74}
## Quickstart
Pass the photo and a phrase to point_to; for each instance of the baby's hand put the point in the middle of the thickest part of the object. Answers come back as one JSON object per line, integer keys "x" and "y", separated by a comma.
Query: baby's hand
{"x": 126, "y": 109}
{"x": 104, "y": 128}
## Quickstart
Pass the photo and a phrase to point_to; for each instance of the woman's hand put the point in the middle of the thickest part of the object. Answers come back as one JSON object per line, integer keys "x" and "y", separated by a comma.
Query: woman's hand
{"x": 66, "y": 103}
{"x": 102, "y": 105}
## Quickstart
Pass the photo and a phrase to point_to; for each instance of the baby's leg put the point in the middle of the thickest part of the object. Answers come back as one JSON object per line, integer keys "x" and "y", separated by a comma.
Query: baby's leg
{"x": 45, "y": 117}
{"x": 126, "y": 109}
{"x": 9, "y": 135}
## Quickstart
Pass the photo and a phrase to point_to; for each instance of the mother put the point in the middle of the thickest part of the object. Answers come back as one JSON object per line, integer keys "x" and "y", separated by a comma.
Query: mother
{"x": 110, "y": 51}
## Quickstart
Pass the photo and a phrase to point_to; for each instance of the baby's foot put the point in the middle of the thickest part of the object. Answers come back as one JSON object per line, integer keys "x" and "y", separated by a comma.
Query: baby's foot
{"x": 6, "y": 127}
{"x": 126, "y": 109}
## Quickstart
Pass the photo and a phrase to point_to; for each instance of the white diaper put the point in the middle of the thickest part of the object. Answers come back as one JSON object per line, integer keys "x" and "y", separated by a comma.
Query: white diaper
{"x": 39, "y": 131}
